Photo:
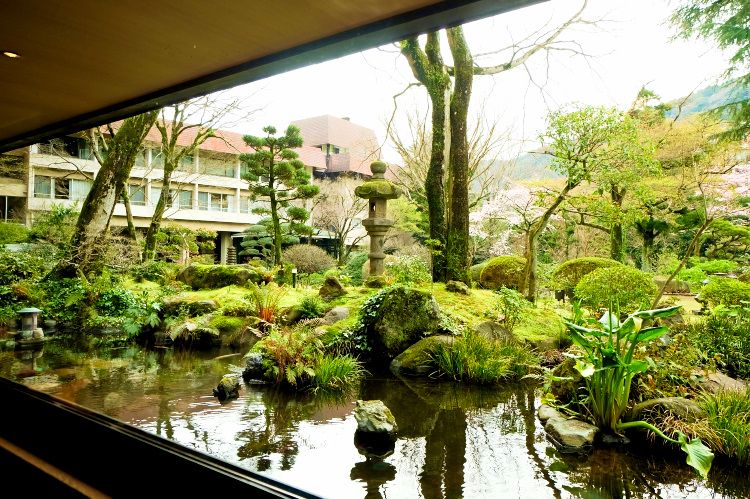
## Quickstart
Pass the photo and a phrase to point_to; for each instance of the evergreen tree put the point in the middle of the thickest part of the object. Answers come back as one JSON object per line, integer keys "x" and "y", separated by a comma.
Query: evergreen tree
{"x": 275, "y": 175}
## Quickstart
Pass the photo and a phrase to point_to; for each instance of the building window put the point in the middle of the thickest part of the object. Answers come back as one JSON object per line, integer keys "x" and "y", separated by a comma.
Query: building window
{"x": 62, "y": 188}
{"x": 140, "y": 159}
{"x": 157, "y": 158}
{"x": 79, "y": 189}
{"x": 212, "y": 201}
{"x": 185, "y": 199}
{"x": 155, "y": 195}
{"x": 186, "y": 163}
{"x": 222, "y": 165}
{"x": 245, "y": 204}
{"x": 137, "y": 195}
{"x": 42, "y": 186}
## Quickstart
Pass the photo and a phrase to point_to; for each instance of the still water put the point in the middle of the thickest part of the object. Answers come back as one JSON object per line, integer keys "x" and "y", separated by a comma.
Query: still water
{"x": 454, "y": 440}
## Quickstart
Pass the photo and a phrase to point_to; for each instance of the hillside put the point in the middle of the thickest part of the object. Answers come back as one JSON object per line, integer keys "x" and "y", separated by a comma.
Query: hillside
{"x": 709, "y": 98}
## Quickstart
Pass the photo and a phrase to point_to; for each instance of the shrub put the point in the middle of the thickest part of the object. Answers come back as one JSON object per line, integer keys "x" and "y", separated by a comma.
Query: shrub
{"x": 694, "y": 275}
{"x": 407, "y": 269}
{"x": 725, "y": 291}
{"x": 55, "y": 226}
{"x": 479, "y": 360}
{"x": 227, "y": 324}
{"x": 311, "y": 307}
{"x": 475, "y": 271}
{"x": 724, "y": 339}
{"x": 503, "y": 271}
{"x": 729, "y": 416}
{"x": 510, "y": 305}
{"x": 292, "y": 353}
{"x": 155, "y": 271}
{"x": 308, "y": 258}
{"x": 353, "y": 267}
{"x": 265, "y": 300}
{"x": 13, "y": 233}
{"x": 115, "y": 302}
{"x": 714, "y": 266}
{"x": 624, "y": 287}
{"x": 568, "y": 274}
{"x": 17, "y": 266}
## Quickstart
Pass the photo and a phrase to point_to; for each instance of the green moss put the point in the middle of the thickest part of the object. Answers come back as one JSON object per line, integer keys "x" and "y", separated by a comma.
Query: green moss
{"x": 227, "y": 324}
{"x": 380, "y": 189}
{"x": 568, "y": 274}
{"x": 503, "y": 271}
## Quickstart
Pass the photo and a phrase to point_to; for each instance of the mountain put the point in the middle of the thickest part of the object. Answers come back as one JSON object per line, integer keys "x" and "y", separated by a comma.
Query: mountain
{"x": 709, "y": 98}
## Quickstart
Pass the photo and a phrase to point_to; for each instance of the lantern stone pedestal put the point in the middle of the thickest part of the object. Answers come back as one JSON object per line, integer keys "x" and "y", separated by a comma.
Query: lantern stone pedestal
{"x": 377, "y": 191}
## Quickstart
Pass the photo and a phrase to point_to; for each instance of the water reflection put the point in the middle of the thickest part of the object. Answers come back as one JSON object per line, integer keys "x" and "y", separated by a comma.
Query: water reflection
{"x": 454, "y": 440}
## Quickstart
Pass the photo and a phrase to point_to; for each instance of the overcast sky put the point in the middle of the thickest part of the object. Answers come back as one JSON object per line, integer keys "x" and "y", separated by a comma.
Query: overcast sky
{"x": 631, "y": 48}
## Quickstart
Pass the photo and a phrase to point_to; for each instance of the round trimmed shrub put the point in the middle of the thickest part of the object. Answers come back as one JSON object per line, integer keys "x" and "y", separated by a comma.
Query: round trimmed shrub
{"x": 308, "y": 259}
{"x": 725, "y": 291}
{"x": 617, "y": 286}
{"x": 503, "y": 271}
{"x": 476, "y": 270}
{"x": 568, "y": 274}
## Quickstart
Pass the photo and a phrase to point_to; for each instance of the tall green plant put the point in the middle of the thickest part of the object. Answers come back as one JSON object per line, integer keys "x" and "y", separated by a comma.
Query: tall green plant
{"x": 608, "y": 367}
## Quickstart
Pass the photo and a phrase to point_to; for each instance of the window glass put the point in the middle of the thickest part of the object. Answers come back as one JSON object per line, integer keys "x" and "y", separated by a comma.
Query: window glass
{"x": 157, "y": 158}
{"x": 137, "y": 195}
{"x": 186, "y": 199}
{"x": 155, "y": 194}
{"x": 79, "y": 189}
{"x": 62, "y": 188}
{"x": 186, "y": 163}
{"x": 140, "y": 159}
{"x": 203, "y": 200}
{"x": 42, "y": 186}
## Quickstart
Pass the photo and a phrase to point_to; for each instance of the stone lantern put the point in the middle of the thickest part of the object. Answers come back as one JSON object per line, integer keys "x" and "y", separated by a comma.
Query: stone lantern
{"x": 29, "y": 326}
{"x": 377, "y": 191}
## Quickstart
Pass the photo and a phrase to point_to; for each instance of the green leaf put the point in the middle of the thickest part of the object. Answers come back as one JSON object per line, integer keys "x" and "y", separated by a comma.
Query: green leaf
{"x": 581, "y": 329}
{"x": 609, "y": 321}
{"x": 638, "y": 366}
{"x": 652, "y": 333}
{"x": 585, "y": 368}
{"x": 661, "y": 312}
{"x": 699, "y": 456}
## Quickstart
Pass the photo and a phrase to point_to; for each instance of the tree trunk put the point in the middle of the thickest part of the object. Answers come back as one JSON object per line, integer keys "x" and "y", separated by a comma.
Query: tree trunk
{"x": 530, "y": 252}
{"x": 149, "y": 250}
{"x": 457, "y": 244}
{"x": 616, "y": 236}
{"x": 647, "y": 251}
{"x": 429, "y": 70}
{"x": 688, "y": 253}
{"x": 96, "y": 212}
{"x": 276, "y": 229}
{"x": 130, "y": 231}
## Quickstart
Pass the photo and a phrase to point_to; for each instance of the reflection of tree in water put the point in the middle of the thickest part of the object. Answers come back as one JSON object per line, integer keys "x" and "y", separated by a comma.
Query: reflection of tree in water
{"x": 445, "y": 454}
{"x": 281, "y": 412}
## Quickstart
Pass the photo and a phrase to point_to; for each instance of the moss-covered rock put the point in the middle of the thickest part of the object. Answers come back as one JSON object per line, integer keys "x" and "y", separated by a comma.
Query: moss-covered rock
{"x": 177, "y": 305}
{"x": 199, "y": 276}
{"x": 331, "y": 289}
{"x": 503, "y": 271}
{"x": 398, "y": 317}
{"x": 475, "y": 271}
{"x": 228, "y": 388}
{"x": 457, "y": 287}
{"x": 675, "y": 286}
{"x": 417, "y": 359}
{"x": 653, "y": 410}
{"x": 568, "y": 381}
{"x": 189, "y": 334}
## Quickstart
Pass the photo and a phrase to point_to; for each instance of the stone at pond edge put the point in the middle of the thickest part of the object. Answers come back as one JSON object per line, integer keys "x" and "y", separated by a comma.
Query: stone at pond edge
{"x": 253, "y": 367}
{"x": 494, "y": 331}
{"x": 173, "y": 306}
{"x": 374, "y": 417}
{"x": 457, "y": 287}
{"x": 681, "y": 408}
{"x": 417, "y": 359}
{"x": 331, "y": 289}
{"x": 545, "y": 413}
{"x": 199, "y": 276}
{"x": 567, "y": 381}
{"x": 335, "y": 315}
{"x": 571, "y": 435}
{"x": 717, "y": 382}
{"x": 228, "y": 388}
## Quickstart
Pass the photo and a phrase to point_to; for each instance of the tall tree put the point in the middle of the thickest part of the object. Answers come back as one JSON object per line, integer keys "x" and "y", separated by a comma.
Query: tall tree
{"x": 116, "y": 153}
{"x": 274, "y": 173}
{"x": 449, "y": 89}
{"x": 183, "y": 127}
{"x": 726, "y": 22}
{"x": 581, "y": 142}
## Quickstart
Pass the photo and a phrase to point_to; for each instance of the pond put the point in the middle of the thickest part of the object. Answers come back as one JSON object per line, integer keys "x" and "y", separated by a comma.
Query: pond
{"x": 454, "y": 440}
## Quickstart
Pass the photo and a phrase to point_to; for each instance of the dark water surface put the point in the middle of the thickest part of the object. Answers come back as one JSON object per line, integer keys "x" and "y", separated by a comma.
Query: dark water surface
{"x": 455, "y": 440}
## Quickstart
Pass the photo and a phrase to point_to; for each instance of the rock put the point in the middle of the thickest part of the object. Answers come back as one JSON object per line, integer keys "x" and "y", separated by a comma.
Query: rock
{"x": 675, "y": 286}
{"x": 335, "y": 315}
{"x": 374, "y": 417}
{"x": 375, "y": 282}
{"x": 403, "y": 317}
{"x": 545, "y": 413}
{"x": 173, "y": 306}
{"x": 199, "y": 276}
{"x": 416, "y": 360}
{"x": 494, "y": 331}
{"x": 571, "y": 435}
{"x": 112, "y": 403}
{"x": 228, "y": 388}
{"x": 717, "y": 382}
{"x": 331, "y": 289}
{"x": 457, "y": 287}
{"x": 681, "y": 408}
{"x": 567, "y": 381}
{"x": 254, "y": 369}
{"x": 191, "y": 335}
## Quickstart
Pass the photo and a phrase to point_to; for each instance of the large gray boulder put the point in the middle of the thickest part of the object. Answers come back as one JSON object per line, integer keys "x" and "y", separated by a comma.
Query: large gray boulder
{"x": 718, "y": 382}
{"x": 571, "y": 435}
{"x": 403, "y": 317}
{"x": 681, "y": 408}
{"x": 417, "y": 359}
{"x": 254, "y": 369}
{"x": 545, "y": 413}
{"x": 335, "y": 315}
{"x": 331, "y": 289}
{"x": 375, "y": 437}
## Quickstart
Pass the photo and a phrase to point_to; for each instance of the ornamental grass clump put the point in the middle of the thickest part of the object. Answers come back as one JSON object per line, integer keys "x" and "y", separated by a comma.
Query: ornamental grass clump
{"x": 265, "y": 300}
{"x": 608, "y": 367}
{"x": 729, "y": 416}
{"x": 476, "y": 359}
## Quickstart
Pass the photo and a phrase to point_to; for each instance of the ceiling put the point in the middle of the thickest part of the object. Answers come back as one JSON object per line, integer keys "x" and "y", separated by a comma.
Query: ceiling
{"x": 88, "y": 62}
